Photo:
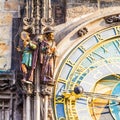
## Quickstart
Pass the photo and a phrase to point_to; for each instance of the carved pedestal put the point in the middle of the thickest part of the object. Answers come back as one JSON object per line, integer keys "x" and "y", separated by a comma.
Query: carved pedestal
{"x": 46, "y": 92}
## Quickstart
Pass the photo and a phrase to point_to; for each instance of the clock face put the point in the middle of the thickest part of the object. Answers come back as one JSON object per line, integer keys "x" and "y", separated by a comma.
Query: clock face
{"x": 93, "y": 64}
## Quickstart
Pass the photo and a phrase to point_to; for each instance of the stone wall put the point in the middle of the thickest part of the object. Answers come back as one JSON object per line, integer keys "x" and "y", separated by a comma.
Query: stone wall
{"x": 8, "y": 11}
{"x": 59, "y": 11}
{"x": 77, "y": 8}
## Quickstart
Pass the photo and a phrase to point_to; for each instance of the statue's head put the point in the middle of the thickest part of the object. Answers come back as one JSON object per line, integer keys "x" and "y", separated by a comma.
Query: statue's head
{"x": 49, "y": 33}
{"x": 50, "y": 36}
{"x": 25, "y": 36}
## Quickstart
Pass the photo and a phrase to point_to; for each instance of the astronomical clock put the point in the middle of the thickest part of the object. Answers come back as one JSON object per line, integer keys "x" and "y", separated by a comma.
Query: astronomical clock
{"x": 94, "y": 66}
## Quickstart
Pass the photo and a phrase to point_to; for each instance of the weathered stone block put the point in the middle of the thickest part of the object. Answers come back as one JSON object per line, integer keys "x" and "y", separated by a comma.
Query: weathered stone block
{"x": 1, "y": 5}
{"x": 5, "y": 33}
{"x": 11, "y": 5}
{"x": 5, "y": 18}
{"x": 5, "y": 46}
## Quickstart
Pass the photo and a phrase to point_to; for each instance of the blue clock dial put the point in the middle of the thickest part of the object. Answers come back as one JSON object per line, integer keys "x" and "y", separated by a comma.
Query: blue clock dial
{"x": 115, "y": 105}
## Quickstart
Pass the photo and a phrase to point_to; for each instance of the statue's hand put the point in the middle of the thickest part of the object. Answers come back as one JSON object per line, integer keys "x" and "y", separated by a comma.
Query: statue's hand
{"x": 33, "y": 45}
{"x": 18, "y": 49}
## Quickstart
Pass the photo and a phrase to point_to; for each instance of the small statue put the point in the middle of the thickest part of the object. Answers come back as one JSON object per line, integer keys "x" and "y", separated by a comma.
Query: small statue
{"x": 27, "y": 56}
{"x": 47, "y": 57}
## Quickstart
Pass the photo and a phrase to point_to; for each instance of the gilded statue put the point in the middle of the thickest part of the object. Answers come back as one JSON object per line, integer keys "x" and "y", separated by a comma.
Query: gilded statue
{"x": 29, "y": 47}
{"x": 47, "y": 57}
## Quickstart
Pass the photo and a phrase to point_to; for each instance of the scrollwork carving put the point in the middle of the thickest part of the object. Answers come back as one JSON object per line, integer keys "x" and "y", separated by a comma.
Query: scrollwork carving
{"x": 82, "y": 32}
{"x": 112, "y": 19}
{"x": 29, "y": 24}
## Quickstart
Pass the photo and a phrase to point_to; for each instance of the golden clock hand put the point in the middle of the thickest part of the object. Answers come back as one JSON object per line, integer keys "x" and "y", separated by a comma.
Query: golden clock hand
{"x": 79, "y": 90}
{"x": 101, "y": 96}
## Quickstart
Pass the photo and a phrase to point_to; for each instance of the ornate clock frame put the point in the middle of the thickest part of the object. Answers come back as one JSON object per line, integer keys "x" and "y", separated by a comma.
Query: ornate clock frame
{"x": 87, "y": 61}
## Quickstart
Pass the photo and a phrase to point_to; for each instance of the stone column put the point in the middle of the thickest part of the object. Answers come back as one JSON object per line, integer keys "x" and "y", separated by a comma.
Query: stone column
{"x": 28, "y": 105}
{"x": 37, "y": 25}
{"x": 46, "y": 107}
{"x": 37, "y": 94}
{"x": 28, "y": 108}
{"x": 46, "y": 92}
{"x": 98, "y": 4}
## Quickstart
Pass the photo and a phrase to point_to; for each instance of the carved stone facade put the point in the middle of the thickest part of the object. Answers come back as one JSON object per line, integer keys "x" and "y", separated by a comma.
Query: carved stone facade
{"x": 73, "y": 13}
{"x": 8, "y": 98}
